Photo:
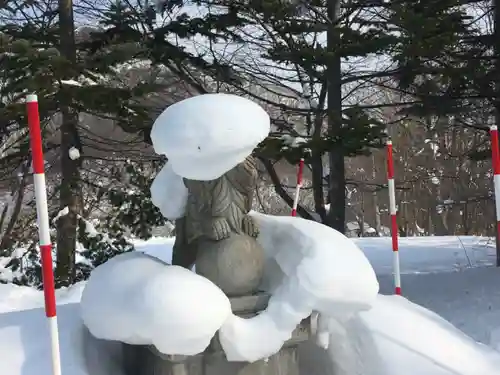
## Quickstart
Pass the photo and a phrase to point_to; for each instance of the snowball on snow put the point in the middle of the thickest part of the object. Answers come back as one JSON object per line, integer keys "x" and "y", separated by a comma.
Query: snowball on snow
{"x": 137, "y": 299}
{"x": 207, "y": 135}
{"x": 169, "y": 193}
{"x": 310, "y": 267}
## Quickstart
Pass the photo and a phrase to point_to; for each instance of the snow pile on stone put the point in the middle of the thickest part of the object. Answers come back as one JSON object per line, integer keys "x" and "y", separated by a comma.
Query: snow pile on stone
{"x": 310, "y": 267}
{"x": 137, "y": 299}
{"x": 205, "y": 136}
{"x": 169, "y": 193}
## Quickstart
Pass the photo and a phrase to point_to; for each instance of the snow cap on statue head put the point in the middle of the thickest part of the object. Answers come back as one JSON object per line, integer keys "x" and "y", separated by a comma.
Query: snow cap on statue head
{"x": 205, "y": 136}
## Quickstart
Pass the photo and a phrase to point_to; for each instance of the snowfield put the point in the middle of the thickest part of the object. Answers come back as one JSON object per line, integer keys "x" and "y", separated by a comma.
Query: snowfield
{"x": 467, "y": 297}
{"x": 429, "y": 254}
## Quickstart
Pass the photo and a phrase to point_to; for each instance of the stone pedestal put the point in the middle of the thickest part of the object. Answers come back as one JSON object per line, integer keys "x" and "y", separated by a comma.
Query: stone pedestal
{"x": 144, "y": 360}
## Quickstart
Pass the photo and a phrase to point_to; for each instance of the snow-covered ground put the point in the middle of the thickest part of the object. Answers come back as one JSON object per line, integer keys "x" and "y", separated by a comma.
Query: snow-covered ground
{"x": 470, "y": 299}
{"x": 453, "y": 276}
{"x": 429, "y": 254}
{"x": 467, "y": 297}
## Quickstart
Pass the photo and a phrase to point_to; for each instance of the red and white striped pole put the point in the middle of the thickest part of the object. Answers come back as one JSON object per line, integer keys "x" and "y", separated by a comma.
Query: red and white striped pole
{"x": 298, "y": 187}
{"x": 393, "y": 213}
{"x": 43, "y": 228}
{"x": 495, "y": 158}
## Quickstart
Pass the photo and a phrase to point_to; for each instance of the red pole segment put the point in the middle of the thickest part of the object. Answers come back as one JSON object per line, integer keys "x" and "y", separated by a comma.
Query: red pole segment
{"x": 43, "y": 228}
{"x": 298, "y": 187}
{"x": 495, "y": 158}
{"x": 393, "y": 213}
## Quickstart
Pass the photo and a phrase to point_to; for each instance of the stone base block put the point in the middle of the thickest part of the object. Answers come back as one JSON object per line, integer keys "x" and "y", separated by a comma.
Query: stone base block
{"x": 146, "y": 360}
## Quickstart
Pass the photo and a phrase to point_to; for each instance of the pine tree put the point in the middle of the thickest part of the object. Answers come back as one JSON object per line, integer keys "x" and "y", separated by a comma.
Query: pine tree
{"x": 291, "y": 73}
{"x": 296, "y": 48}
{"x": 89, "y": 82}
{"x": 41, "y": 55}
{"x": 446, "y": 65}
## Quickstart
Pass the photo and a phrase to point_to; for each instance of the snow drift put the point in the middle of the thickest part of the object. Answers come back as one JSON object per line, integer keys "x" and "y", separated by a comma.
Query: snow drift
{"x": 399, "y": 337}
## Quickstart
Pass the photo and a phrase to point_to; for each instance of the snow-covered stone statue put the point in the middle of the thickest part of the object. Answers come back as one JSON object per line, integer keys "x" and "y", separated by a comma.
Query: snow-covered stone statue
{"x": 257, "y": 279}
{"x": 209, "y": 155}
{"x": 217, "y": 232}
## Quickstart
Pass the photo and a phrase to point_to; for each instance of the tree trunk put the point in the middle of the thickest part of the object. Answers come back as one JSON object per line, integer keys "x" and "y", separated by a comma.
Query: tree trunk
{"x": 465, "y": 219}
{"x": 439, "y": 229}
{"x": 317, "y": 182}
{"x": 317, "y": 160}
{"x": 6, "y": 241}
{"x": 336, "y": 188}
{"x": 362, "y": 215}
{"x": 70, "y": 169}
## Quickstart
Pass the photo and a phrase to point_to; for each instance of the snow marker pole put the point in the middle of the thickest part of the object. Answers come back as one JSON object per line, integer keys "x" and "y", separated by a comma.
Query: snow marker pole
{"x": 43, "y": 228}
{"x": 393, "y": 213}
{"x": 495, "y": 158}
{"x": 297, "y": 187}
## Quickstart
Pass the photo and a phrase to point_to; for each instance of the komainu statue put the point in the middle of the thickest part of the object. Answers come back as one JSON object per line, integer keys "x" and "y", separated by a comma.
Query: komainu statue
{"x": 217, "y": 234}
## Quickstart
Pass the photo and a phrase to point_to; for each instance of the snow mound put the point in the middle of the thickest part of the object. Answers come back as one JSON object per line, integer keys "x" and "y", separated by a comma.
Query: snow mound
{"x": 137, "y": 299}
{"x": 310, "y": 267}
{"x": 15, "y": 297}
{"x": 399, "y": 337}
{"x": 169, "y": 193}
{"x": 207, "y": 135}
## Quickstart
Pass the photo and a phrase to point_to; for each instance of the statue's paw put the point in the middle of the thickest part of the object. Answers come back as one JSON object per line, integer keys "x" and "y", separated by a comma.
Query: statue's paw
{"x": 220, "y": 229}
{"x": 249, "y": 226}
